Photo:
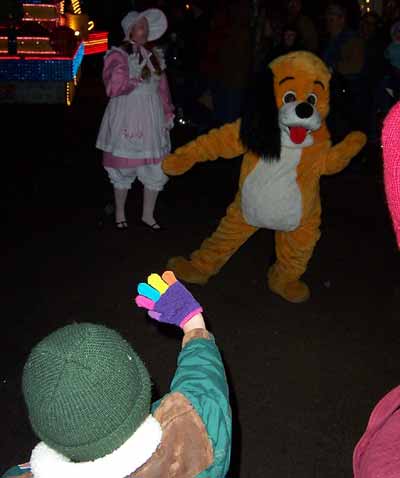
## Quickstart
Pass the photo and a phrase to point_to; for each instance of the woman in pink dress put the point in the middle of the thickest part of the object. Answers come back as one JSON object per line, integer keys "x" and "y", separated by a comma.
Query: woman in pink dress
{"x": 134, "y": 133}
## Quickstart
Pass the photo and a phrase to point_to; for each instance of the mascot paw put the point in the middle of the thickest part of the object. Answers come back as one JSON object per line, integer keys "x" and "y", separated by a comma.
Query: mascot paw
{"x": 295, "y": 291}
{"x": 184, "y": 270}
{"x": 358, "y": 138}
{"x": 176, "y": 164}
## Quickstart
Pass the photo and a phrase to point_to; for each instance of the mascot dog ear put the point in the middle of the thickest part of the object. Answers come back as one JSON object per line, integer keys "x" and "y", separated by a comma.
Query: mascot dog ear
{"x": 259, "y": 129}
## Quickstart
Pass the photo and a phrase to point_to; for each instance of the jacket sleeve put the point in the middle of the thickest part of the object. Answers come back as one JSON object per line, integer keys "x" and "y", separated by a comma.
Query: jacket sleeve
{"x": 19, "y": 471}
{"x": 116, "y": 75}
{"x": 200, "y": 376}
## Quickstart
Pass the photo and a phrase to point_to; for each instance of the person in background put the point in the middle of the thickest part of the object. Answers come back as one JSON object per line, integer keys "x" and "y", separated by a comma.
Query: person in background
{"x": 344, "y": 54}
{"x": 307, "y": 32}
{"x": 392, "y": 55}
{"x": 388, "y": 91}
{"x": 88, "y": 396}
{"x": 371, "y": 31}
{"x": 230, "y": 58}
{"x": 134, "y": 133}
{"x": 269, "y": 33}
{"x": 390, "y": 15}
{"x": 392, "y": 51}
{"x": 288, "y": 42}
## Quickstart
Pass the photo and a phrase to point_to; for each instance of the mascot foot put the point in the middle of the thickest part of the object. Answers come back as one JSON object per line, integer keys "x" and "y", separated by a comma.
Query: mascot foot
{"x": 184, "y": 270}
{"x": 295, "y": 291}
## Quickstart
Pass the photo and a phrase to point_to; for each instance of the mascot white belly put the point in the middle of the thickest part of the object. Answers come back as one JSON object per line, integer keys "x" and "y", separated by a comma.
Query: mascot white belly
{"x": 271, "y": 197}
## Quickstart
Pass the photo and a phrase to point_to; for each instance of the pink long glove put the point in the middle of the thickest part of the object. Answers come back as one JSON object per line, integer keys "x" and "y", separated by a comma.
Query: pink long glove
{"x": 391, "y": 163}
{"x": 166, "y": 100}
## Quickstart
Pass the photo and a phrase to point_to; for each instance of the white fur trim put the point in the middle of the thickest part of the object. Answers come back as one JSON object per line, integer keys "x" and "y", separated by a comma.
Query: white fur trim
{"x": 47, "y": 463}
{"x": 271, "y": 197}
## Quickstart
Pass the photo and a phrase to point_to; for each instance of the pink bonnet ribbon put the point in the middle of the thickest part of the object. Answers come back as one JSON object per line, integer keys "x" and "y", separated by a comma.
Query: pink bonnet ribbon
{"x": 145, "y": 55}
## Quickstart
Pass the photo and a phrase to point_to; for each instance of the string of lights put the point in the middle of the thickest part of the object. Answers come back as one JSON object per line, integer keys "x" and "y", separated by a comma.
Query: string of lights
{"x": 371, "y": 6}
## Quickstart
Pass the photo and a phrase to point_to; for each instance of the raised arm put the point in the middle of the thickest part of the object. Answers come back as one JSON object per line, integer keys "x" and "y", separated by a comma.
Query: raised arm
{"x": 200, "y": 374}
{"x": 340, "y": 155}
{"x": 223, "y": 142}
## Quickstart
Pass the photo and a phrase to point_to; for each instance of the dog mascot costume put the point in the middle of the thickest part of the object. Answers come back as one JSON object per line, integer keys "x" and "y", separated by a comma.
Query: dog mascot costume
{"x": 286, "y": 146}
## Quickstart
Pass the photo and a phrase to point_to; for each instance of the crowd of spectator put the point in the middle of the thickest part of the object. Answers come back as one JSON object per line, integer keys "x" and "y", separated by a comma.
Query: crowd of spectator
{"x": 214, "y": 48}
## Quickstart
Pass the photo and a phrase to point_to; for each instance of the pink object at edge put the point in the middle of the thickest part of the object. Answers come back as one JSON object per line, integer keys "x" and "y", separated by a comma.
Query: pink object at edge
{"x": 376, "y": 455}
{"x": 391, "y": 165}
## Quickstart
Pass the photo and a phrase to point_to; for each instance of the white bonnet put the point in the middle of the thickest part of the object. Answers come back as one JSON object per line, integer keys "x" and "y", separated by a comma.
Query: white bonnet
{"x": 156, "y": 19}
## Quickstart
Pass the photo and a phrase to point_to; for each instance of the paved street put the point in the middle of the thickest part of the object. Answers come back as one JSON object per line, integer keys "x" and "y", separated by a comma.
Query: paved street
{"x": 303, "y": 378}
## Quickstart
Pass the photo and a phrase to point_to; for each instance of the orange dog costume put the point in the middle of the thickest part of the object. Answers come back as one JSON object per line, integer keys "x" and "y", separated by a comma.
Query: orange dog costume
{"x": 287, "y": 148}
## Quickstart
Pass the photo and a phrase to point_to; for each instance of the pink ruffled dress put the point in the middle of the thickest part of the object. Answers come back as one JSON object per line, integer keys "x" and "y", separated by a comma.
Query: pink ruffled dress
{"x": 135, "y": 129}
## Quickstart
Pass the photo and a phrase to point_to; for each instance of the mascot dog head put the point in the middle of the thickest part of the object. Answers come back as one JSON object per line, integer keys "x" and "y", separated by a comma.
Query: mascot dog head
{"x": 286, "y": 105}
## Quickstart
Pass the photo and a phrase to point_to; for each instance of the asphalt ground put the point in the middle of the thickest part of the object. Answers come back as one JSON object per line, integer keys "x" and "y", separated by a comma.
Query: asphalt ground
{"x": 303, "y": 378}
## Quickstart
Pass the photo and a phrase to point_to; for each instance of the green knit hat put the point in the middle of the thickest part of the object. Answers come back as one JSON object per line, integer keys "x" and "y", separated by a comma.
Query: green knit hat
{"x": 86, "y": 390}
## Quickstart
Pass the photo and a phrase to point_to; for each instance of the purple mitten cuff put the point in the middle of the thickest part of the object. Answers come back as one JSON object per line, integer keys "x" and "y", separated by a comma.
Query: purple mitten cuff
{"x": 176, "y": 305}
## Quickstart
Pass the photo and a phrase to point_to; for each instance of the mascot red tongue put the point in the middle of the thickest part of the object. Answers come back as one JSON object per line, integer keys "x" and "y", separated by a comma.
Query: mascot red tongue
{"x": 298, "y": 134}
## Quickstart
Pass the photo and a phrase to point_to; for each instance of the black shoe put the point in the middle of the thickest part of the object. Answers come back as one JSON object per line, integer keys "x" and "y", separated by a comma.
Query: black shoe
{"x": 153, "y": 227}
{"x": 121, "y": 225}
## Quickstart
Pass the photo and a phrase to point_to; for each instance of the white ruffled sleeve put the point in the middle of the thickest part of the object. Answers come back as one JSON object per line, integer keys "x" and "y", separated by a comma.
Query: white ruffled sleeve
{"x": 161, "y": 57}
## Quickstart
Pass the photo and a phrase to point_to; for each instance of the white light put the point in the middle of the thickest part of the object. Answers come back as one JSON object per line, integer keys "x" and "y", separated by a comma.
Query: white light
{"x": 77, "y": 33}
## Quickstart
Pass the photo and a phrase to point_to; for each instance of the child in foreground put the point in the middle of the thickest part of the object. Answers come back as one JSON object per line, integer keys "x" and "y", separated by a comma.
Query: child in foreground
{"x": 88, "y": 396}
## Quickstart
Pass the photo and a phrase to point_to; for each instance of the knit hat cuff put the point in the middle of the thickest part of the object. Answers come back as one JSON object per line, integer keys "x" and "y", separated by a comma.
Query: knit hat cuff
{"x": 109, "y": 443}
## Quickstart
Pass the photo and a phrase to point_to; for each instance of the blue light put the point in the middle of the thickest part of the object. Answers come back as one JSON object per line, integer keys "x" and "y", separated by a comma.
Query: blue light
{"x": 34, "y": 2}
{"x": 77, "y": 61}
{"x": 42, "y": 70}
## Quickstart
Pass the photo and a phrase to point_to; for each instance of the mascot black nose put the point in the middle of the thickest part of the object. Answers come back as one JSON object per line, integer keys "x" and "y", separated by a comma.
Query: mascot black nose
{"x": 304, "y": 110}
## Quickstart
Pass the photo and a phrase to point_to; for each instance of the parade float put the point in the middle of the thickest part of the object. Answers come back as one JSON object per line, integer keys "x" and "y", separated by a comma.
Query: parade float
{"x": 42, "y": 48}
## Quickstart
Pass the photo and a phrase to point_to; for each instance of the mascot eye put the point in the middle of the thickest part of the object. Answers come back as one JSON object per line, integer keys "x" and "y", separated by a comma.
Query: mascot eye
{"x": 312, "y": 99}
{"x": 289, "y": 97}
